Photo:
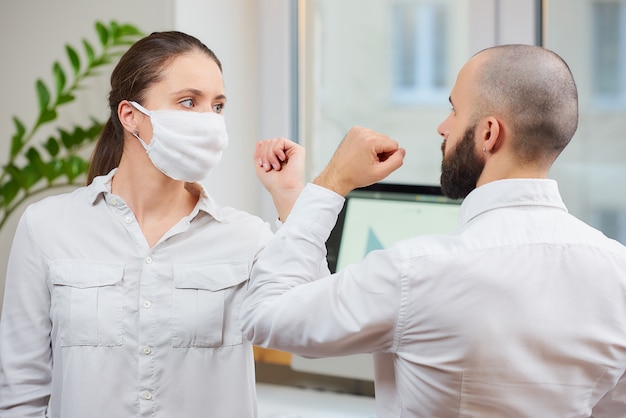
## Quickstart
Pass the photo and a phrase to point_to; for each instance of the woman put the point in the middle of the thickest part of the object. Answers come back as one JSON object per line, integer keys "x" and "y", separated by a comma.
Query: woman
{"x": 122, "y": 297}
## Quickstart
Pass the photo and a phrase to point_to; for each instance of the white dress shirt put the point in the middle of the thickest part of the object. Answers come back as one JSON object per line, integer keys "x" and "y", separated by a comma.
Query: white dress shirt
{"x": 520, "y": 313}
{"x": 98, "y": 324}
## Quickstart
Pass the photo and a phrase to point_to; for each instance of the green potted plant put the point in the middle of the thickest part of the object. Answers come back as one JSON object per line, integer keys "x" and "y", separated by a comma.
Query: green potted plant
{"x": 38, "y": 164}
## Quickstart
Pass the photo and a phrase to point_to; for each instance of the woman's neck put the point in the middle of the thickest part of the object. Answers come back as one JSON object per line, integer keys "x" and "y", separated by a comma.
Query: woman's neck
{"x": 157, "y": 201}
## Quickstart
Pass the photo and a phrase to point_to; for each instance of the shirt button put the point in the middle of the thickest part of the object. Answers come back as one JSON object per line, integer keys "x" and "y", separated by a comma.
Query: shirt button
{"x": 147, "y": 351}
{"x": 148, "y": 260}
{"x": 147, "y": 304}
{"x": 147, "y": 395}
{"x": 114, "y": 201}
{"x": 128, "y": 219}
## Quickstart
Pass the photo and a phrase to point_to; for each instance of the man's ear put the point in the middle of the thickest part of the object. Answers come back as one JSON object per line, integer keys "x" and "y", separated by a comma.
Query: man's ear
{"x": 125, "y": 113}
{"x": 490, "y": 134}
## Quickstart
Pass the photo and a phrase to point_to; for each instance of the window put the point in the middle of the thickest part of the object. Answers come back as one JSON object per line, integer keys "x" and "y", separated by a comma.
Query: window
{"x": 390, "y": 64}
{"x": 609, "y": 52}
{"x": 591, "y": 169}
{"x": 419, "y": 45}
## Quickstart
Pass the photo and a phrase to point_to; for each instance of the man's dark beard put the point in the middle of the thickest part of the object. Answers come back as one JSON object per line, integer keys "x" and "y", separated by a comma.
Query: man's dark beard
{"x": 462, "y": 168}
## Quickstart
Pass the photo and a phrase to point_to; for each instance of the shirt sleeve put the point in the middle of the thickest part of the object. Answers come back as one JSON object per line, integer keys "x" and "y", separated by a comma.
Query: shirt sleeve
{"x": 289, "y": 306}
{"x": 613, "y": 404}
{"x": 25, "y": 326}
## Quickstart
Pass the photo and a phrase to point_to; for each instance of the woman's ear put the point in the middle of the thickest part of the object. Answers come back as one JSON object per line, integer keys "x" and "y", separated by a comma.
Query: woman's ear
{"x": 126, "y": 115}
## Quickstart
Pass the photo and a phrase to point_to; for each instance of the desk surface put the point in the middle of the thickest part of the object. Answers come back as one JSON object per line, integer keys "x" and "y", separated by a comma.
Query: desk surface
{"x": 277, "y": 401}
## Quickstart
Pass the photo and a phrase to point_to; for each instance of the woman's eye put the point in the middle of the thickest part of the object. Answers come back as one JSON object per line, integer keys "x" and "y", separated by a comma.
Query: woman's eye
{"x": 187, "y": 103}
{"x": 217, "y": 108}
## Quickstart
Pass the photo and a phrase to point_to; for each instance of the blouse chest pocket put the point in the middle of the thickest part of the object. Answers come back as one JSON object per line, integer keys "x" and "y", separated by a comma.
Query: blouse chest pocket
{"x": 206, "y": 304}
{"x": 87, "y": 303}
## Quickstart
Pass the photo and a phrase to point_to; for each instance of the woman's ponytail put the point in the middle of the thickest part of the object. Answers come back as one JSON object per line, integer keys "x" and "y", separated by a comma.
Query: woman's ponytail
{"x": 107, "y": 152}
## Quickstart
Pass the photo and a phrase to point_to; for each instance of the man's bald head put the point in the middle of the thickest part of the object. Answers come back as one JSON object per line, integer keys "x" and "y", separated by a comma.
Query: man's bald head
{"x": 534, "y": 90}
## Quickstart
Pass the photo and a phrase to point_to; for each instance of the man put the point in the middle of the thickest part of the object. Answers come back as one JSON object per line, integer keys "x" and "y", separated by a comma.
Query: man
{"x": 520, "y": 313}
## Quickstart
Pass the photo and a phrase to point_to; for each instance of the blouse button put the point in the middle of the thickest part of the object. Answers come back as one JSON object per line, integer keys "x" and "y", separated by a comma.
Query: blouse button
{"x": 147, "y": 304}
{"x": 147, "y": 395}
{"x": 148, "y": 260}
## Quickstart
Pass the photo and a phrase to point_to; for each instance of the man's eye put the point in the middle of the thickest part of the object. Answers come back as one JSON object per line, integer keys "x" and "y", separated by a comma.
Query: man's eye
{"x": 217, "y": 108}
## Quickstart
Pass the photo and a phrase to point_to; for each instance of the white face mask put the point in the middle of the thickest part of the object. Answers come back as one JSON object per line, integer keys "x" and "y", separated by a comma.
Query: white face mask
{"x": 185, "y": 145}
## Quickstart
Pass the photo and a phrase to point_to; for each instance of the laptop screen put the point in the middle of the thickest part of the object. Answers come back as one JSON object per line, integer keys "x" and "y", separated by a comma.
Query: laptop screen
{"x": 377, "y": 216}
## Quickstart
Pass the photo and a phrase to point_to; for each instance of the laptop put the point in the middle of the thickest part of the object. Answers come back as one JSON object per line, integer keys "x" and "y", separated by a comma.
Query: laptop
{"x": 378, "y": 216}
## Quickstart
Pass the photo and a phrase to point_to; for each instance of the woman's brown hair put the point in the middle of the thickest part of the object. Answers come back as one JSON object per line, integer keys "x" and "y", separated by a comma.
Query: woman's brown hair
{"x": 137, "y": 70}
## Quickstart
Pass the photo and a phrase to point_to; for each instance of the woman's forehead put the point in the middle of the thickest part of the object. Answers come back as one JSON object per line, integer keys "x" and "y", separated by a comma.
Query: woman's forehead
{"x": 195, "y": 71}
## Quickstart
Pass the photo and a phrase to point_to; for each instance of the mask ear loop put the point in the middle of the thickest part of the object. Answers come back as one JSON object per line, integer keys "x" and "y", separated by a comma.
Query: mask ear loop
{"x": 145, "y": 112}
{"x": 140, "y": 108}
{"x": 143, "y": 144}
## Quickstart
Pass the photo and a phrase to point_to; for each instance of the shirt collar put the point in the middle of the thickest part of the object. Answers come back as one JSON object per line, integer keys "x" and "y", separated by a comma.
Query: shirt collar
{"x": 100, "y": 187}
{"x": 510, "y": 193}
{"x": 205, "y": 202}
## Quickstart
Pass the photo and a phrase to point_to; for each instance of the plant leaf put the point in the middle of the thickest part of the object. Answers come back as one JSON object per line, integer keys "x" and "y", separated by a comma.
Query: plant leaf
{"x": 73, "y": 57}
{"x": 89, "y": 51}
{"x": 32, "y": 155}
{"x": 15, "y": 173}
{"x": 9, "y": 191}
{"x": 48, "y": 170}
{"x": 127, "y": 30}
{"x": 19, "y": 126}
{"x": 52, "y": 146}
{"x": 66, "y": 138}
{"x": 65, "y": 98}
{"x": 16, "y": 145}
{"x": 78, "y": 136}
{"x": 17, "y": 140}
{"x": 74, "y": 167}
{"x": 114, "y": 29}
{"x": 53, "y": 169}
{"x": 36, "y": 166}
{"x": 47, "y": 115}
{"x": 30, "y": 176}
{"x": 43, "y": 94}
{"x": 59, "y": 78}
{"x": 103, "y": 33}
{"x": 95, "y": 129}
